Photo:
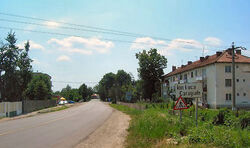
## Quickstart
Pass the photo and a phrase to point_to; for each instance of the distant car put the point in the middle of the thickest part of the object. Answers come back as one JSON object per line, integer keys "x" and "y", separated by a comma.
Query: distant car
{"x": 63, "y": 102}
{"x": 71, "y": 102}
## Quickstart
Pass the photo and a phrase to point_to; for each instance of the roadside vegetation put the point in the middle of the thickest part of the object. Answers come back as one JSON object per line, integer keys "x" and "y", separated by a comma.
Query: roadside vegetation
{"x": 75, "y": 94}
{"x": 159, "y": 126}
{"x": 123, "y": 87}
{"x": 54, "y": 109}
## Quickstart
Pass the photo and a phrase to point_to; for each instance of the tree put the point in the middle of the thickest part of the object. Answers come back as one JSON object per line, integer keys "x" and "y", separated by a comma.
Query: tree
{"x": 105, "y": 85}
{"x": 123, "y": 78}
{"x": 39, "y": 87}
{"x": 24, "y": 64}
{"x": 15, "y": 69}
{"x": 151, "y": 65}
{"x": 83, "y": 91}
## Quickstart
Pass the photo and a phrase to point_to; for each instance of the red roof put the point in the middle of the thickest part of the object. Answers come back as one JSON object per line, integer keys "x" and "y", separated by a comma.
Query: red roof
{"x": 224, "y": 57}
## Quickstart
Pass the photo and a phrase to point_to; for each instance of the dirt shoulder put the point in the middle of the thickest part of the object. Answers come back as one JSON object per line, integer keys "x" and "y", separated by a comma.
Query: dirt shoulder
{"x": 111, "y": 134}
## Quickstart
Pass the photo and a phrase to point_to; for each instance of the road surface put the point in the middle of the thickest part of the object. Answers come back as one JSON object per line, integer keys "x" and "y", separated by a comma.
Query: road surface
{"x": 61, "y": 129}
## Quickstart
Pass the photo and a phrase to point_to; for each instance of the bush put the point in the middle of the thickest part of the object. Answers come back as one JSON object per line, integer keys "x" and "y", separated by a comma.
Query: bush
{"x": 245, "y": 121}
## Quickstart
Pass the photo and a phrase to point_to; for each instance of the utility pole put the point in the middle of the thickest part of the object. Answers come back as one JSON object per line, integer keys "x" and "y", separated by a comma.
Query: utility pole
{"x": 233, "y": 74}
{"x": 233, "y": 78}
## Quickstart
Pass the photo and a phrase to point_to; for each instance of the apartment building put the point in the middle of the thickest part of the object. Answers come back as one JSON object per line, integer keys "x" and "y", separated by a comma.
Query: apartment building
{"x": 215, "y": 74}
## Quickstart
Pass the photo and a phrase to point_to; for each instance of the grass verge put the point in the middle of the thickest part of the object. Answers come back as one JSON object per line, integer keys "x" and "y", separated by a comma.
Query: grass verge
{"x": 157, "y": 126}
{"x": 53, "y": 109}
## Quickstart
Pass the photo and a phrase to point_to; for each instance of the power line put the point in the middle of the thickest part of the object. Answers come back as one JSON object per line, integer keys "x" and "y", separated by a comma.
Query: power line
{"x": 72, "y": 24}
{"x": 106, "y": 39}
{"x": 110, "y": 31}
{"x": 107, "y": 31}
{"x": 64, "y": 27}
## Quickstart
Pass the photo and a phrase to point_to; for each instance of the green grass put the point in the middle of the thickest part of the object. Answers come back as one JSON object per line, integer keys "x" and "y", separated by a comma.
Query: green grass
{"x": 53, "y": 109}
{"x": 153, "y": 126}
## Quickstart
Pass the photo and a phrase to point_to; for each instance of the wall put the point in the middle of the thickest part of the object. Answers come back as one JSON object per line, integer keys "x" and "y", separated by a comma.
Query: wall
{"x": 242, "y": 72}
{"x": 33, "y": 105}
{"x": 211, "y": 85}
{"x": 10, "y": 109}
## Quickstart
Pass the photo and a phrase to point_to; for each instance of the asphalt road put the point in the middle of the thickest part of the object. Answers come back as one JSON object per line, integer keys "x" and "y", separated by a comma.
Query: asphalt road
{"x": 61, "y": 129}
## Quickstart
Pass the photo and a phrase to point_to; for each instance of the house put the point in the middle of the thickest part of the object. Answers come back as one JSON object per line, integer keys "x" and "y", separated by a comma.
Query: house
{"x": 215, "y": 75}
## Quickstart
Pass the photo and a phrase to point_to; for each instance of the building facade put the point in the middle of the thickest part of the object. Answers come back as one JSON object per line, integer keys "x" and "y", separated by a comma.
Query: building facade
{"x": 215, "y": 74}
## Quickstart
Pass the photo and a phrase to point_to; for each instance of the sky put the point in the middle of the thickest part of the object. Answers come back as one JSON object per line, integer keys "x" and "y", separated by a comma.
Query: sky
{"x": 69, "y": 41}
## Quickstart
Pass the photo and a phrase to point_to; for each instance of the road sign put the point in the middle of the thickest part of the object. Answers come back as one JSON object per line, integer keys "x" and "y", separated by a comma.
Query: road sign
{"x": 189, "y": 90}
{"x": 180, "y": 104}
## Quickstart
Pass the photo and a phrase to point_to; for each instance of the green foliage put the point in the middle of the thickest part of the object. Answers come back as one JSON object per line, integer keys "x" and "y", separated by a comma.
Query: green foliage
{"x": 15, "y": 69}
{"x": 83, "y": 93}
{"x": 151, "y": 65}
{"x": 114, "y": 85}
{"x": 39, "y": 87}
{"x": 245, "y": 120}
{"x": 157, "y": 123}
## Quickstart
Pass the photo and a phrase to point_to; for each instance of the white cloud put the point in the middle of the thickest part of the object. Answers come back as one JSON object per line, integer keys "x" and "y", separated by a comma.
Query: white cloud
{"x": 86, "y": 46}
{"x": 33, "y": 45}
{"x": 184, "y": 44}
{"x": 63, "y": 58}
{"x": 36, "y": 62}
{"x": 165, "y": 48}
{"x": 51, "y": 24}
{"x": 212, "y": 41}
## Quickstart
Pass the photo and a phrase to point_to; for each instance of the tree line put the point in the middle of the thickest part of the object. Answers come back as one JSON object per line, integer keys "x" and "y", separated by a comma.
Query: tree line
{"x": 17, "y": 79}
{"x": 122, "y": 86}
{"x": 76, "y": 94}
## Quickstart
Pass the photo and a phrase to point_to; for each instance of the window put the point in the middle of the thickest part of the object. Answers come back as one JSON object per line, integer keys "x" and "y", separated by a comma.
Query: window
{"x": 237, "y": 80}
{"x": 244, "y": 94}
{"x": 180, "y": 77}
{"x": 227, "y": 69}
{"x": 238, "y": 94}
{"x": 204, "y": 73}
{"x": 185, "y": 76}
{"x": 196, "y": 73}
{"x": 228, "y": 97}
{"x": 192, "y": 74}
{"x": 228, "y": 83}
{"x": 244, "y": 80}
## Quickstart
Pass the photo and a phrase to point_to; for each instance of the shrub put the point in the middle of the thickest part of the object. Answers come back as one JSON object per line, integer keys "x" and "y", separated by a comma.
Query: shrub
{"x": 245, "y": 120}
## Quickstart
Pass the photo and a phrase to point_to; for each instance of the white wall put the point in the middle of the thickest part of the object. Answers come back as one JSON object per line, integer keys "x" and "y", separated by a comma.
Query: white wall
{"x": 242, "y": 72}
{"x": 7, "y": 107}
{"x": 211, "y": 80}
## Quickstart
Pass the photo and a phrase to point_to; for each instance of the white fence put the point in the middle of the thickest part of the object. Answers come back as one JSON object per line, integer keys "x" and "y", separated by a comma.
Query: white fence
{"x": 10, "y": 109}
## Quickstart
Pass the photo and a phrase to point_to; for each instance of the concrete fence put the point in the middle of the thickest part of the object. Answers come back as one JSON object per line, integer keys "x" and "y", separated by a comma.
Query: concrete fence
{"x": 33, "y": 105}
{"x": 10, "y": 109}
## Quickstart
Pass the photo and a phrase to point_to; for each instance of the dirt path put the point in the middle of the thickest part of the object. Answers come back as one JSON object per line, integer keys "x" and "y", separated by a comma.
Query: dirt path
{"x": 111, "y": 134}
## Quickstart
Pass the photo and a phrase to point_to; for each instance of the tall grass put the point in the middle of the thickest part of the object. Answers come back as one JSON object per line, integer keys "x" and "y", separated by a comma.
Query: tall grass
{"x": 148, "y": 128}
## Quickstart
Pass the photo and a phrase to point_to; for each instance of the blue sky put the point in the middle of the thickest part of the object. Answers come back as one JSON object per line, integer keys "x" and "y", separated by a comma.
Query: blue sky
{"x": 191, "y": 26}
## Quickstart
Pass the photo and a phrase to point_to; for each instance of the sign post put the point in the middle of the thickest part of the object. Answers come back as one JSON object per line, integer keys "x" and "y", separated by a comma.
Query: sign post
{"x": 191, "y": 90}
{"x": 180, "y": 105}
{"x": 196, "y": 112}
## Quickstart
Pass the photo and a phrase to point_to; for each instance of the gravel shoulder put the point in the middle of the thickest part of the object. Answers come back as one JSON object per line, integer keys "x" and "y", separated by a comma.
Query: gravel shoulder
{"x": 111, "y": 134}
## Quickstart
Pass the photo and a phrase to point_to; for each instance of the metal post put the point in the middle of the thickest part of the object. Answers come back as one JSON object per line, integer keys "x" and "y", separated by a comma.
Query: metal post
{"x": 196, "y": 112}
{"x": 233, "y": 77}
{"x": 180, "y": 115}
